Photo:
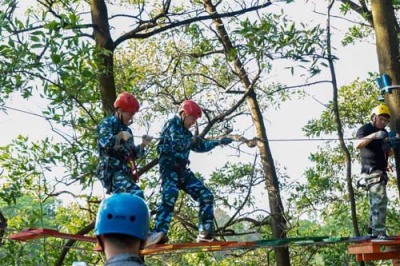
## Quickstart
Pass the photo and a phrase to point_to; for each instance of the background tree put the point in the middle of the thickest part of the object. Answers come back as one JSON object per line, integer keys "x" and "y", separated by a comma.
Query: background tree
{"x": 173, "y": 51}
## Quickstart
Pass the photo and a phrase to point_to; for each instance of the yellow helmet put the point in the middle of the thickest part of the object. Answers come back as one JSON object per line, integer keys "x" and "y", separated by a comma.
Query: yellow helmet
{"x": 381, "y": 110}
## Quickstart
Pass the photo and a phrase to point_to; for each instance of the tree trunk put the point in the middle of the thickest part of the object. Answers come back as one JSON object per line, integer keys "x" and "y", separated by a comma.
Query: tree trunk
{"x": 278, "y": 221}
{"x": 387, "y": 47}
{"x": 340, "y": 128}
{"x": 105, "y": 58}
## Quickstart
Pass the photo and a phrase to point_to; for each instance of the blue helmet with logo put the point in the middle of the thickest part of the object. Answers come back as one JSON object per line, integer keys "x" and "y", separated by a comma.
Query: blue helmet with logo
{"x": 123, "y": 213}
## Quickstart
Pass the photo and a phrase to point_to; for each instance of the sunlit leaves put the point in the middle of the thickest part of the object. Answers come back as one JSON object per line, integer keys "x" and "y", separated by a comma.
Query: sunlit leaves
{"x": 355, "y": 103}
{"x": 274, "y": 37}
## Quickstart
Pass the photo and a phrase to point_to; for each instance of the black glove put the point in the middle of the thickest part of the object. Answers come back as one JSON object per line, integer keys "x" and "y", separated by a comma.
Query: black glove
{"x": 225, "y": 141}
{"x": 381, "y": 134}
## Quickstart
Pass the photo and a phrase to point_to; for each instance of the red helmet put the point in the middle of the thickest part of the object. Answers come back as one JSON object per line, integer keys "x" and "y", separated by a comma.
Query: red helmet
{"x": 127, "y": 102}
{"x": 190, "y": 108}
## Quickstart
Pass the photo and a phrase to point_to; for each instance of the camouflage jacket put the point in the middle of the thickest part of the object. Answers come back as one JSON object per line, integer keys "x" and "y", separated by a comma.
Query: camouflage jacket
{"x": 115, "y": 152}
{"x": 177, "y": 142}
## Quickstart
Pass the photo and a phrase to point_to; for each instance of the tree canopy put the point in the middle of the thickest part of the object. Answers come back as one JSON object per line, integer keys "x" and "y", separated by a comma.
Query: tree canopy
{"x": 76, "y": 56}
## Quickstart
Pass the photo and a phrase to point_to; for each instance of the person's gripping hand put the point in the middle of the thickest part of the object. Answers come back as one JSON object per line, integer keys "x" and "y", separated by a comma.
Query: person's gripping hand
{"x": 146, "y": 139}
{"x": 381, "y": 134}
{"x": 225, "y": 141}
{"x": 124, "y": 135}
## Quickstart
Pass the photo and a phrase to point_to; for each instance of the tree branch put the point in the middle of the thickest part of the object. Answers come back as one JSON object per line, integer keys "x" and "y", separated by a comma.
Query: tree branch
{"x": 134, "y": 34}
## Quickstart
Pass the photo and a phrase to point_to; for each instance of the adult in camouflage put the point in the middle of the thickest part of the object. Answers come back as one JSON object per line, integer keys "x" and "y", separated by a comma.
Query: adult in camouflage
{"x": 374, "y": 152}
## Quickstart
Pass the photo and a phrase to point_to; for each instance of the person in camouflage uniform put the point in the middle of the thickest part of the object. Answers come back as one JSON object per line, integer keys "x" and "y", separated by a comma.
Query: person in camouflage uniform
{"x": 173, "y": 150}
{"x": 117, "y": 149}
{"x": 374, "y": 152}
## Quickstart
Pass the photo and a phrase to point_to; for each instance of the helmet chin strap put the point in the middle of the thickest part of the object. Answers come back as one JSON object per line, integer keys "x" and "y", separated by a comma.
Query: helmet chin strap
{"x": 373, "y": 120}
{"x": 119, "y": 116}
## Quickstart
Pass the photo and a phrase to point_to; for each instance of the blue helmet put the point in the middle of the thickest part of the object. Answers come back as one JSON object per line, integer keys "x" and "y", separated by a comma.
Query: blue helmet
{"x": 123, "y": 213}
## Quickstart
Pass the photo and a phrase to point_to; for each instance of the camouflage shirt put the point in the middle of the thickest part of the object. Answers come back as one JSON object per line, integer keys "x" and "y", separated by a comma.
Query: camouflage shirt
{"x": 111, "y": 147}
{"x": 177, "y": 142}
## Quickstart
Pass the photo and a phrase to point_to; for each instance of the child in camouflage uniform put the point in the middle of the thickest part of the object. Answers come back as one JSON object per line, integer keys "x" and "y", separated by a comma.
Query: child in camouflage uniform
{"x": 117, "y": 149}
{"x": 374, "y": 153}
{"x": 173, "y": 150}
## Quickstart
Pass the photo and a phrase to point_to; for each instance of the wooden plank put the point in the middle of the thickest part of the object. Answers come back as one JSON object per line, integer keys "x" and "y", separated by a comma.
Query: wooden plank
{"x": 377, "y": 250}
{"x": 363, "y": 248}
{"x": 379, "y": 256}
{"x": 205, "y": 246}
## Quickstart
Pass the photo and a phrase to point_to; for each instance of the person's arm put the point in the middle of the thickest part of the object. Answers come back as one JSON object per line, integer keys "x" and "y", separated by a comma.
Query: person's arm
{"x": 364, "y": 141}
{"x": 202, "y": 145}
{"x": 107, "y": 140}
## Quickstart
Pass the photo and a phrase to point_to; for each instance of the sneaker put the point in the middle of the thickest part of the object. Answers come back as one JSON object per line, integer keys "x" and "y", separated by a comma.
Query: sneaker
{"x": 153, "y": 238}
{"x": 164, "y": 239}
{"x": 204, "y": 237}
{"x": 382, "y": 237}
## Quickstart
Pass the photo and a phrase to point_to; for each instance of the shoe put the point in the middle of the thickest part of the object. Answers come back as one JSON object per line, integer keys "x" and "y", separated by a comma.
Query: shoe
{"x": 204, "y": 237}
{"x": 381, "y": 237}
{"x": 164, "y": 239}
{"x": 153, "y": 238}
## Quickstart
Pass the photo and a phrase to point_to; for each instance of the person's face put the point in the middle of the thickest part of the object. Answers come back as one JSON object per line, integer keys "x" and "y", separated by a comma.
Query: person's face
{"x": 188, "y": 120}
{"x": 126, "y": 117}
{"x": 381, "y": 121}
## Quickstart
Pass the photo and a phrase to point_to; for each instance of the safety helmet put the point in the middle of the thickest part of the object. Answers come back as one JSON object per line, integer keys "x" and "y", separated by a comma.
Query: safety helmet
{"x": 127, "y": 102}
{"x": 123, "y": 213}
{"x": 380, "y": 110}
{"x": 190, "y": 108}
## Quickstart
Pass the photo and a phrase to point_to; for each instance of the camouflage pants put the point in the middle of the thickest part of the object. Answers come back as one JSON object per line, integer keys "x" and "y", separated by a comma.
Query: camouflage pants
{"x": 378, "y": 201}
{"x": 172, "y": 182}
{"x": 122, "y": 183}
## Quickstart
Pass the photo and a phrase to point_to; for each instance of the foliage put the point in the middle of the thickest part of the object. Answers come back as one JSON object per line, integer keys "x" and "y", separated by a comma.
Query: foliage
{"x": 48, "y": 49}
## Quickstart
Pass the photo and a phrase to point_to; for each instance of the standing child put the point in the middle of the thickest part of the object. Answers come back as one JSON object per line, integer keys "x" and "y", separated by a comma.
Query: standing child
{"x": 117, "y": 149}
{"x": 173, "y": 151}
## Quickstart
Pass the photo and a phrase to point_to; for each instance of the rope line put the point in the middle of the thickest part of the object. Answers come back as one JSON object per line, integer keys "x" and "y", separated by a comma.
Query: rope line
{"x": 158, "y": 138}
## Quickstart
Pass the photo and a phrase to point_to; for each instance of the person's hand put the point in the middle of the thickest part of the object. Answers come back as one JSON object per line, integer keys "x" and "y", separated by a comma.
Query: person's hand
{"x": 195, "y": 140}
{"x": 146, "y": 139}
{"x": 225, "y": 141}
{"x": 381, "y": 134}
{"x": 124, "y": 135}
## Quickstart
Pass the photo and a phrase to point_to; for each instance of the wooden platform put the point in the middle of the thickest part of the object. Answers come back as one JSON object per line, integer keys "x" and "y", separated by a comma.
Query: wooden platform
{"x": 365, "y": 250}
{"x": 204, "y": 246}
{"x": 31, "y": 233}
{"x": 377, "y": 250}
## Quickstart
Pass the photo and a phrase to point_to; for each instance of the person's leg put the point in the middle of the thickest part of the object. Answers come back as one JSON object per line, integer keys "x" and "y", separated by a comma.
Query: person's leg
{"x": 165, "y": 210}
{"x": 199, "y": 192}
{"x": 378, "y": 205}
{"x": 122, "y": 183}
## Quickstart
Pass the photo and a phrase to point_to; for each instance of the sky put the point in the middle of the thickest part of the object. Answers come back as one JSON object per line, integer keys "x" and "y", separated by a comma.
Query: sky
{"x": 285, "y": 123}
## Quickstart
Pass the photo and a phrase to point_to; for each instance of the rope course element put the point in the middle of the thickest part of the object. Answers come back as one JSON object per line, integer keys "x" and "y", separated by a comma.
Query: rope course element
{"x": 363, "y": 247}
{"x": 249, "y": 142}
{"x": 377, "y": 250}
